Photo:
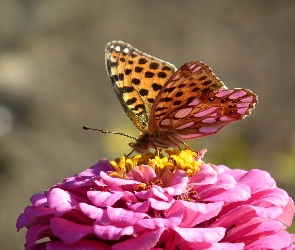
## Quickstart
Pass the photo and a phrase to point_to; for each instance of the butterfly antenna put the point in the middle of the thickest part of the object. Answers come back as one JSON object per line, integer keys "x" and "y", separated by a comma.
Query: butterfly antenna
{"x": 109, "y": 132}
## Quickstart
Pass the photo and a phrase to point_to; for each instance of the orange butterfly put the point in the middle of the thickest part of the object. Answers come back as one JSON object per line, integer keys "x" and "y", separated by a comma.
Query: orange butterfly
{"x": 168, "y": 105}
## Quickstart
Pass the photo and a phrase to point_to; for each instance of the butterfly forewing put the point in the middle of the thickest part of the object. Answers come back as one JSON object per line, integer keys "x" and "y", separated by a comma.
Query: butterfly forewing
{"x": 195, "y": 103}
{"x": 136, "y": 78}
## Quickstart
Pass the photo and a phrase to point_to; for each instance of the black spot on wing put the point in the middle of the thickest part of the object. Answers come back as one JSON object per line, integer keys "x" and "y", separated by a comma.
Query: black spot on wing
{"x": 138, "y": 69}
{"x": 176, "y": 103}
{"x": 135, "y": 81}
{"x": 143, "y": 92}
{"x": 131, "y": 101}
{"x": 202, "y": 78}
{"x": 121, "y": 76}
{"x": 178, "y": 94}
{"x": 169, "y": 90}
{"x": 138, "y": 106}
{"x": 206, "y": 83}
{"x": 142, "y": 60}
{"x": 166, "y": 68}
{"x": 166, "y": 99}
{"x": 149, "y": 74}
{"x": 126, "y": 89}
{"x": 127, "y": 71}
{"x": 151, "y": 100}
{"x": 154, "y": 65}
{"x": 162, "y": 75}
{"x": 156, "y": 86}
{"x": 190, "y": 99}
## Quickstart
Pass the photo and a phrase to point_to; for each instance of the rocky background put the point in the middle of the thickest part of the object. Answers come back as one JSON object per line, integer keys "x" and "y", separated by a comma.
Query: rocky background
{"x": 53, "y": 81}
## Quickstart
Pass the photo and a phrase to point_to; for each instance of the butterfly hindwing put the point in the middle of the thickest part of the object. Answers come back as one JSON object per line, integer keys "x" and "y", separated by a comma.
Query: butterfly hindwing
{"x": 195, "y": 103}
{"x": 136, "y": 78}
{"x": 208, "y": 113}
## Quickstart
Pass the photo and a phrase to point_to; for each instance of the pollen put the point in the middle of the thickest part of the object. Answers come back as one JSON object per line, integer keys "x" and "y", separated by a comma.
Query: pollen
{"x": 162, "y": 165}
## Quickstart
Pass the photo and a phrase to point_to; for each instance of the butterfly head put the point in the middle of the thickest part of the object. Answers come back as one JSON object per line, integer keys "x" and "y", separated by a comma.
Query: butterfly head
{"x": 142, "y": 143}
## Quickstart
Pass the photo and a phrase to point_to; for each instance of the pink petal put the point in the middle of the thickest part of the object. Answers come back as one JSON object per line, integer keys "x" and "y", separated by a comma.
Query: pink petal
{"x": 123, "y": 217}
{"x": 242, "y": 214}
{"x": 141, "y": 207}
{"x": 142, "y": 173}
{"x": 159, "y": 205}
{"x": 111, "y": 181}
{"x": 38, "y": 246}
{"x": 86, "y": 177}
{"x": 238, "y": 193}
{"x": 142, "y": 242}
{"x": 103, "y": 199}
{"x": 61, "y": 201}
{"x": 169, "y": 222}
{"x": 92, "y": 211}
{"x": 279, "y": 240}
{"x": 207, "y": 175}
{"x": 39, "y": 200}
{"x": 37, "y": 232}
{"x": 69, "y": 232}
{"x": 277, "y": 197}
{"x": 208, "y": 235}
{"x": 195, "y": 213}
{"x": 178, "y": 184}
{"x": 219, "y": 246}
{"x": 32, "y": 214}
{"x": 253, "y": 229}
{"x": 288, "y": 213}
{"x": 107, "y": 232}
{"x": 80, "y": 245}
{"x": 128, "y": 196}
{"x": 253, "y": 180}
{"x": 154, "y": 192}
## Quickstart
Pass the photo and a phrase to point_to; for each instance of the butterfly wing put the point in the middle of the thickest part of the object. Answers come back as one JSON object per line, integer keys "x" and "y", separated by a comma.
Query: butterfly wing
{"x": 136, "y": 78}
{"x": 195, "y": 103}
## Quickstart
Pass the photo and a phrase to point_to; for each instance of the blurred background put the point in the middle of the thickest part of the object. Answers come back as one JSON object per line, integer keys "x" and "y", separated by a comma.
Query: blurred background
{"x": 53, "y": 81}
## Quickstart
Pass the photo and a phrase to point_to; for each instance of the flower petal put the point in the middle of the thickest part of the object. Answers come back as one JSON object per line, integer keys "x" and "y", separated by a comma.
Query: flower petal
{"x": 204, "y": 235}
{"x": 279, "y": 240}
{"x": 68, "y": 231}
{"x": 61, "y": 201}
{"x": 142, "y": 242}
{"x": 81, "y": 244}
{"x": 195, "y": 213}
{"x": 103, "y": 199}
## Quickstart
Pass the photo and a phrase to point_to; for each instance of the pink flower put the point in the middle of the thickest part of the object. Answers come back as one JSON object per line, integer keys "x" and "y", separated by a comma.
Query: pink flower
{"x": 151, "y": 202}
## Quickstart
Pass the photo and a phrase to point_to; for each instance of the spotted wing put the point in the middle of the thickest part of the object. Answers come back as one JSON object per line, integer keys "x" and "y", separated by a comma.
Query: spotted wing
{"x": 136, "y": 78}
{"x": 195, "y": 103}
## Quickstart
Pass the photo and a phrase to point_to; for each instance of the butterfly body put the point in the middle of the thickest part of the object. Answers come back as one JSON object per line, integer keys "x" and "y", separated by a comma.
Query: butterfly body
{"x": 147, "y": 140}
{"x": 168, "y": 105}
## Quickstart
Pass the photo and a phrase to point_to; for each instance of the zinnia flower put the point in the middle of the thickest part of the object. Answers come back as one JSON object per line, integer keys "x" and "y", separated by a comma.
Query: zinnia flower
{"x": 156, "y": 202}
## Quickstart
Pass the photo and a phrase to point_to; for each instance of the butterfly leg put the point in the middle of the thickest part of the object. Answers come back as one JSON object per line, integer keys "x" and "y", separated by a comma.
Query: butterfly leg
{"x": 157, "y": 151}
{"x": 183, "y": 143}
{"x": 129, "y": 153}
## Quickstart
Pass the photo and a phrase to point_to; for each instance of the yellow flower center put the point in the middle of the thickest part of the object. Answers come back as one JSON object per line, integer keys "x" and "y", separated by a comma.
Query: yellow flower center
{"x": 162, "y": 165}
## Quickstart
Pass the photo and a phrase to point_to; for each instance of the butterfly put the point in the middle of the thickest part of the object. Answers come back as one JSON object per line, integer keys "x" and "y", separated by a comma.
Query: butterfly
{"x": 168, "y": 105}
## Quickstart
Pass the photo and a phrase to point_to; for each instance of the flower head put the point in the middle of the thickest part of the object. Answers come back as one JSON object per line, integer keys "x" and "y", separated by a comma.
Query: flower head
{"x": 161, "y": 202}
